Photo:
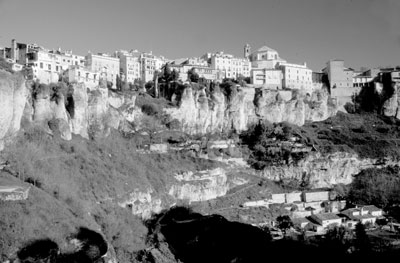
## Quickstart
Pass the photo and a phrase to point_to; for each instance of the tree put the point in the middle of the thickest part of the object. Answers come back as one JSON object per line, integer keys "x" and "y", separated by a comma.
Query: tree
{"x": 339, "y": 238}
{"x": 284, "y": 223}
{"x": 193, "y": 76}
{"x": 362, "y": 242}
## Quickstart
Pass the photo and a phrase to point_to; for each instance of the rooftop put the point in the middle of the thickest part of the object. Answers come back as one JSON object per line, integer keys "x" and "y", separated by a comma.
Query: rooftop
{"x": 326, "y": 216}
{"x": 264, "y": 49}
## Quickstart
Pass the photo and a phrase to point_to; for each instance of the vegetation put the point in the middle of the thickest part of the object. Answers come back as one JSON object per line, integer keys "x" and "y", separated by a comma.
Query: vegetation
{"x": 369, "y": 135}
{"x": 78, "y": 183}
{"x": 262, "y": 140}
{"x": 380, "y": 187}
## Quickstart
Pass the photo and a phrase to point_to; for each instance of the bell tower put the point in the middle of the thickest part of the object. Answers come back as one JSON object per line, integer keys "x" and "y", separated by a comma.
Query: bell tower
{"x": 247, "y": 50}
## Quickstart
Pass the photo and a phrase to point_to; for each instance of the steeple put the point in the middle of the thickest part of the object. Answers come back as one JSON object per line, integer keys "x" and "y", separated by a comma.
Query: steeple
{"x": 247, "y": 51}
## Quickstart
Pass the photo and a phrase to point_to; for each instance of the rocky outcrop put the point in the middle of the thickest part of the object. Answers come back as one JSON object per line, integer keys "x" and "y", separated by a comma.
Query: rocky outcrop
{"x": 200, "y": 113}
{"x": 13, "y": 97}
{"x": 200, "y": 186}
{"x": 324, "y": 170}
{"x": 188, "y": 187}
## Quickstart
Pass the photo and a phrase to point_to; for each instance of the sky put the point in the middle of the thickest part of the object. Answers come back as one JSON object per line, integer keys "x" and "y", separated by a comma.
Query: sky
{"x": 361, "y": 32}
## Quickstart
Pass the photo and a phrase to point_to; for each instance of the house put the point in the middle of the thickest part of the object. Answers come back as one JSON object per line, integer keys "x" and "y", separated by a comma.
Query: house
{"x": 326, "y": 219}
{"x": 373, "y": 210}
{"x": 359, "y": 215}
{"x": 300, "y": 222}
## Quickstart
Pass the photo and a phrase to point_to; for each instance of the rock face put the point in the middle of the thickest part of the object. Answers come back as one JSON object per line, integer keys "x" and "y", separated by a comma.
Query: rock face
{"x": 324, "y": 170}
{"x": 200, "y": 186}
{"x": 189, "y": 187}
{"x": 216, "y": 113}
{"x": 13, "y": 97}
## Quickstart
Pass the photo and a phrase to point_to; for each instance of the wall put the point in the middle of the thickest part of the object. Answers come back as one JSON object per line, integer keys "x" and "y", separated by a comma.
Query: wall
{"x": 316, "y": 196}
{"x": 293, "y": 197}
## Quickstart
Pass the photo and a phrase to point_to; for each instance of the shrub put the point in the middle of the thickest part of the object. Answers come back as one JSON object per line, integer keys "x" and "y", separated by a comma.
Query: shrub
{"x": 150, "y": 109}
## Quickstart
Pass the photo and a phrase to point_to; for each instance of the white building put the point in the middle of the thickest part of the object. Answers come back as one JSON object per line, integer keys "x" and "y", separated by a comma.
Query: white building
{"x": 228, "y": 65}
{"x": 199, "y": 65}
{"x": 296, "y": 76}
{"x": 130, "y": 66}
{"x": 265, "y": 57}
{"x": 149, "y": 64}
{"x": 83, "y": 75}
{"x": 104, "y": 64}
{"x": 266, "y": 65}
{"x": 270, "y": 78}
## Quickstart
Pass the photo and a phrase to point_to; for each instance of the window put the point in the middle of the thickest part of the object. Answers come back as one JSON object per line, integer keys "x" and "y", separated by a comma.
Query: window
{"x": 49, "y": 66}
{"x": 41, "y": 64}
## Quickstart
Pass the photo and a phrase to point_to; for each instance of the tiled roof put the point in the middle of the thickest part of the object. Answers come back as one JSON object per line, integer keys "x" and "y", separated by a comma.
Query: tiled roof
{"x": 326, "y": 216}
{"x": 371, "y": 208}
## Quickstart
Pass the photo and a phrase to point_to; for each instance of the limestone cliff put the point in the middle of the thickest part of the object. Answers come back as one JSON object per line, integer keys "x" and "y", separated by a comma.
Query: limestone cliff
{"x": 188, "y": 187}
{"x": 324, "y": 170}
{"x": 13, "y": 97}
{"x": 200, "y": 113}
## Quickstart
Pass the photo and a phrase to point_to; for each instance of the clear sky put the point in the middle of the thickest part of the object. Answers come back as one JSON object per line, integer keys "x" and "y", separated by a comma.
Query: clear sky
{"x": 362, "y": 32}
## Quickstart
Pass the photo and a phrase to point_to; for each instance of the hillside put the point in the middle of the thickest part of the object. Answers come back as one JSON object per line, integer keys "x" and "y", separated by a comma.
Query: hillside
{"x": 81, "y": 183}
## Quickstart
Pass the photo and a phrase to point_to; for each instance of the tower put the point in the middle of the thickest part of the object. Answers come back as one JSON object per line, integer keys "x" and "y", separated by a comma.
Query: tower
{"x": 14, "y": 50}
{"x": 247, "y": 50}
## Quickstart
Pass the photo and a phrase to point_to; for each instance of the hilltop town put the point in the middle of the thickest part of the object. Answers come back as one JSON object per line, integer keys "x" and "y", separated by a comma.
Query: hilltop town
{"x": 137, "y": 146}
{"x": 263, "y": 67}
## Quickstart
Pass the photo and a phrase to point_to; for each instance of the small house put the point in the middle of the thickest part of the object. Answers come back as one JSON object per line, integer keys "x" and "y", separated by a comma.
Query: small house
{"x": 326, "y": 219}
{"x": 300, "y": 222}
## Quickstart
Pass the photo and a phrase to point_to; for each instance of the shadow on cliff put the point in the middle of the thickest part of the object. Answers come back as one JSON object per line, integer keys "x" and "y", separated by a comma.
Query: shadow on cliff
{"x": 89, "y": 246}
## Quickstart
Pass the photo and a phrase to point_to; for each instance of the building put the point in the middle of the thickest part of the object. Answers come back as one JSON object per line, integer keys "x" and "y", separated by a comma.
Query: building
{"x": 300, "y": 222}
{"x": 199, "y": 65}
{"x": 265, "y": 57}
{"x": 130, "y": 66}
{"x": 80, "y": 74}
{"x": 326, "y": 219}
{"x": 105, "y": 65}
{"x": 149, "y": 64}
{"x": 271, "y": 71}
{"x": 339, "y": 77}
{"x": 269, "y": 78}
{"x": 363, "y": 214}
{"x": 296, "y": 76}
{"x": 315, "y": 196}
{"x": 227, "y": 65}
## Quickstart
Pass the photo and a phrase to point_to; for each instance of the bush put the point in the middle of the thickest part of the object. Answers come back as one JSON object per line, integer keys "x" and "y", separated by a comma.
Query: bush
{"x": 150, "y": 109}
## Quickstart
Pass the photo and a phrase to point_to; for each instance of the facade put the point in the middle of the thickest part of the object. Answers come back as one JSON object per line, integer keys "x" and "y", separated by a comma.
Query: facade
{"x": 296, "y": 76}
{"x": 199, "y": 65}
{"x": 270, "y": 78}
{"x": 228, "y": 65}
{"x": 363, "y": 214}
{"x": 315, "y": 196}
{"x": 82, "y": 75}
{"x": 268, "y": 68}
{"x": 338, "y": 75}
{"x": 105, "y": 65}
{"x": 149, "y": 64}
{"x": 130, "y": 67}
{"x": 360, "y": 81}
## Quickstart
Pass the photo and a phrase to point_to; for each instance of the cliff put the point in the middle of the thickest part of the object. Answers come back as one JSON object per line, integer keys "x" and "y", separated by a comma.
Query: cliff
{"x": 324, "y": 170}
{"x": 202, "y": 113}
{"x": 13, "y": 97}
